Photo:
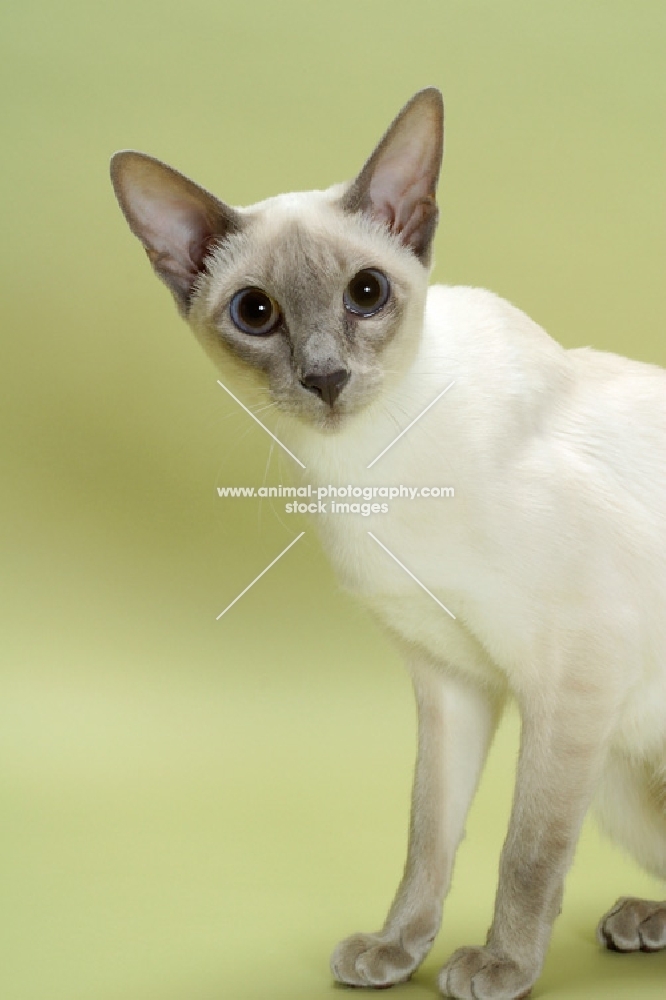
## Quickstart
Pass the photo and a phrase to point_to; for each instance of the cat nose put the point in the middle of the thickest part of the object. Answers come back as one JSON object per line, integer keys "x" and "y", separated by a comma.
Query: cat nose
{"x": 327, "y": 386}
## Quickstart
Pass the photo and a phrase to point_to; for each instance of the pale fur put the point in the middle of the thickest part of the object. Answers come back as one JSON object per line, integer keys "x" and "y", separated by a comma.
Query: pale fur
{"x": 551, "y": 556}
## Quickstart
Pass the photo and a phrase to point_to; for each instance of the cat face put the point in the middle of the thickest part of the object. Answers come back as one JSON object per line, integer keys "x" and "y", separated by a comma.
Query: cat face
{"x": 313, "y": 300}
{"x": 326, "y": 306}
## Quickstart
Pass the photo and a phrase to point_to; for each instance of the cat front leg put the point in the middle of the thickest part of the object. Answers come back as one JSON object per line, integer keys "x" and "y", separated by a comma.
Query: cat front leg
{"x": 563, "y": 747}
{"x": 455, "y": 726}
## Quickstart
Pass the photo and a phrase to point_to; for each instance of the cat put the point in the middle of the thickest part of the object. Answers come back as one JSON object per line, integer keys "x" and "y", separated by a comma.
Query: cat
{"x": 550, "y": 557}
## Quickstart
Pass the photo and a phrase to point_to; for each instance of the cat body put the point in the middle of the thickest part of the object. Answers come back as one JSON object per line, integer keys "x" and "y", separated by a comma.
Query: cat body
{"x": 560, "y": 508}
{"x": 550, "y": 556}
{"x": 560, "y": 502}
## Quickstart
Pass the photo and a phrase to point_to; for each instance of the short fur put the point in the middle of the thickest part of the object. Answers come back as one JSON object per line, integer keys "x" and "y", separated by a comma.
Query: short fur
{"x": 552, "y": 555}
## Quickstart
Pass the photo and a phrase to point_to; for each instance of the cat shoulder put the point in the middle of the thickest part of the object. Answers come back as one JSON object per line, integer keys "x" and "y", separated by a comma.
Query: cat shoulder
{"x": 469, "y": 304}
{"x": 492, "y": 337}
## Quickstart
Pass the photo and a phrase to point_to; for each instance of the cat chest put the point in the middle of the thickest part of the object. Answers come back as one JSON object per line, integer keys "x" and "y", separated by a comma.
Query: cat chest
{"x": 425, "y": 607}
{"x": 418, "y": 572}
{"x": 383, "y": 552}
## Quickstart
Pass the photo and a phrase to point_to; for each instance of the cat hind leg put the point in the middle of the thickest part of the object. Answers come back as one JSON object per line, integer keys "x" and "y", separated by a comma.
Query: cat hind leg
{"x": 630, "y": 808}
{"x": 633, "y": 925}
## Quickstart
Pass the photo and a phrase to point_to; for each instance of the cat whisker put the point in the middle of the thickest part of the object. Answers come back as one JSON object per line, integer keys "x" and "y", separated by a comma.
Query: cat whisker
{"x": 263, "y": 483}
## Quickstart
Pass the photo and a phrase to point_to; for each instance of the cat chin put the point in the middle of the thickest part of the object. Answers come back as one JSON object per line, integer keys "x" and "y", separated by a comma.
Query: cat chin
{"x": 325, "y": 419}
{"x": 329, "y": 421}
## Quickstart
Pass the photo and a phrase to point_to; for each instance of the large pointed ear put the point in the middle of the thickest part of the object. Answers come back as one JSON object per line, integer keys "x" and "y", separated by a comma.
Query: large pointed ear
{"x": 397, "y": 184}
{"x": 175, "y": 219}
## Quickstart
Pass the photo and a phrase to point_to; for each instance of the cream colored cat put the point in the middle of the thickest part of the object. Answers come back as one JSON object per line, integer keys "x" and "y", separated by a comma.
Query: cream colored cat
{"x": 551, "y": 556}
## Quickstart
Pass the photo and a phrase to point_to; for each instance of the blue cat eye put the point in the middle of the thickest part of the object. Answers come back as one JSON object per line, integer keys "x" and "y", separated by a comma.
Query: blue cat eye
{"x": 253, "y": 311}
{"x": 367, "y": 293}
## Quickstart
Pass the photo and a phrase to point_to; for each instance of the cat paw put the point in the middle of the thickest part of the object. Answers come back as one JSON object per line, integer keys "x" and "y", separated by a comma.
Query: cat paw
{"x": 633, "y": 925}
{"x": 372, "y": 960}
{"x": 481, "y": 974}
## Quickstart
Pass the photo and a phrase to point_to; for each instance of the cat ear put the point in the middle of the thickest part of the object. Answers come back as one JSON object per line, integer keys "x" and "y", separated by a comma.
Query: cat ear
{"x": 177, "y": 222}
{"x": 397, "y": 184}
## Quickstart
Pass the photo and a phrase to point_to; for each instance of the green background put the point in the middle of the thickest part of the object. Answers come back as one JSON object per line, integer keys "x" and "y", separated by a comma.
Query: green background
{"x": 192, "y": 809}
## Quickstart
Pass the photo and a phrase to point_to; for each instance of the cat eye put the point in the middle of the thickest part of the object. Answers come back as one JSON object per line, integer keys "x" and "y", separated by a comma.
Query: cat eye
{"x": 366, "y": 293}
{"x": 254, "y": 312}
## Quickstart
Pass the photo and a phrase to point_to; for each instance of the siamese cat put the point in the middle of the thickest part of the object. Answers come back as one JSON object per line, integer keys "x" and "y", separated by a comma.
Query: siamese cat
{"x": 551, "y": 557}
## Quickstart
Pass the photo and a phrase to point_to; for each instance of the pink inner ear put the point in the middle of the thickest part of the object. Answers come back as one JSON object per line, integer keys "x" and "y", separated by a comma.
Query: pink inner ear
{"x": 401, "y": 183}
{"x": 174, "y": 218}
{"x": 176, "y": 231}
{"x": 172, "y": 224}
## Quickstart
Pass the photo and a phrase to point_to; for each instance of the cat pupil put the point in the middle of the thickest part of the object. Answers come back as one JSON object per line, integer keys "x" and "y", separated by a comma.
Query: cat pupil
{"x": 366, "y": 289}
{"x": 256, "y": 308}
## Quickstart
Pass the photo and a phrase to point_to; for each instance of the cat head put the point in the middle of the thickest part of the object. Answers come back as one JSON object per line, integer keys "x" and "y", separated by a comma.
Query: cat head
{"x": 314, "y": 300}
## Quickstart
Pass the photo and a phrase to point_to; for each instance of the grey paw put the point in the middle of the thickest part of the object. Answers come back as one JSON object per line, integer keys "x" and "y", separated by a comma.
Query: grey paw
{"x": 481, "y": 974}
{"x": 633, "y": 925}
{"x": 372, "y": 960}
